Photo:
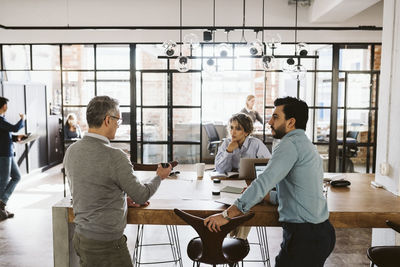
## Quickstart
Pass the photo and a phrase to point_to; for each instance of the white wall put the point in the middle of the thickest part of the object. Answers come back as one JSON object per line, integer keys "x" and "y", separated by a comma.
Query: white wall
{"x": 166, "y": 13}
{"x": 388, "y": 149}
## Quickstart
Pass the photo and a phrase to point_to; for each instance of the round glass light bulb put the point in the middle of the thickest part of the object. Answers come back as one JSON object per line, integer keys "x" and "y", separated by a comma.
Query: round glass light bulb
{"x": 274, "y": 40}
{"x": 191, "y": 40}
{"x": 255, "y": 47}
{"x": 182, "y": 64}
{"x": 302, "y": 49}
{"x": 223, "y": 50}
{"x": 299, "y": 72}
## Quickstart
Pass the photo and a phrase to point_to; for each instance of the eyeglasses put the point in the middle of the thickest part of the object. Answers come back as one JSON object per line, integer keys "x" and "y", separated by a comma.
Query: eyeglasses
{"x": 119, "y": 120}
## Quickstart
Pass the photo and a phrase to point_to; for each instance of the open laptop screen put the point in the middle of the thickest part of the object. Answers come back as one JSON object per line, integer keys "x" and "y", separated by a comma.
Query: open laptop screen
{"x": 259, "y": 168}
{"x": 246, "y": 167}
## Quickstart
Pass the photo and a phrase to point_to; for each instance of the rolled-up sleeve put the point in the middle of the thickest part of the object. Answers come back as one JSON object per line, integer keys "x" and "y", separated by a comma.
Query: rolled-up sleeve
{"x": 281, "y": 162}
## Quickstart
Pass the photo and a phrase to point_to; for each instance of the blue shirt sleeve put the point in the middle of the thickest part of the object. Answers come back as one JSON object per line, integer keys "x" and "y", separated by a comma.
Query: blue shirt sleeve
{"x": 284, "y": 157}
{"x": 5, "y": 125}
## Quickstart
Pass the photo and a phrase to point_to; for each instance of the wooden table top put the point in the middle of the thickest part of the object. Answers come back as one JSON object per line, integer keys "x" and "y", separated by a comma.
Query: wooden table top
{"x": 357, "y": 206}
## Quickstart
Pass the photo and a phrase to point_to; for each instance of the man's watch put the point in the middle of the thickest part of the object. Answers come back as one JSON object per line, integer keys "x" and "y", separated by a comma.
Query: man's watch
{"x": 225, "y": 215}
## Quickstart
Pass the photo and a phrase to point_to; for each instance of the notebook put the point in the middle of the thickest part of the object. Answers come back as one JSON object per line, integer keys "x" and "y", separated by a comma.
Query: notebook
{"x": 224, "y": 175}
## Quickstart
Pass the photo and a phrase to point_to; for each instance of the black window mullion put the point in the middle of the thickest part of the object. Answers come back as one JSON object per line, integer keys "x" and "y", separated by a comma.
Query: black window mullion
{"x": 170, "y": 114}
{"x": 62, "y": 100}
{"x": 334, "y": 110}
{"x": 344, "y": 146}
{"x": 133, "y": 117}
{"x": 375, "y": 121}
{"x": 141, "y": 116}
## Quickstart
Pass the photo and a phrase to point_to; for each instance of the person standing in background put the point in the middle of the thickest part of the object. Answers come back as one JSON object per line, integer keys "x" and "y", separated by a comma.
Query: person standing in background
{"x": 249, "y": 109}
{"x": 9, "y": 172}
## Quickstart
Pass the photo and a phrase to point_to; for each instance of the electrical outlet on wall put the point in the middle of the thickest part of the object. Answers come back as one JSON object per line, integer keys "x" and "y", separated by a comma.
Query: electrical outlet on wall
{"x": 384, "y": 168}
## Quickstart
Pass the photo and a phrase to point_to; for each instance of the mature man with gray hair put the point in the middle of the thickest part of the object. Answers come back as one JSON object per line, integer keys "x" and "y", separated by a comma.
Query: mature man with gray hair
{"x": 100, "y": 176}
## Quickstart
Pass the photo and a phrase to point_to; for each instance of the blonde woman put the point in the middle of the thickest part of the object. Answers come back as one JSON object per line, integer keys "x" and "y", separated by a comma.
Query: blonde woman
{"x": 249, "y": 109}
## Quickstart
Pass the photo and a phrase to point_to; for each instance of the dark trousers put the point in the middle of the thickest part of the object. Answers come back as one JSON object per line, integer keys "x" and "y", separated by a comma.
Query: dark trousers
{"x": 306, "y": 244}
{"x": 96, "y": 253}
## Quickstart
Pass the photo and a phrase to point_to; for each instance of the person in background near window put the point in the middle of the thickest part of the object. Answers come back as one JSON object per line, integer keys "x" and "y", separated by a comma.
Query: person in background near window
{"x": 100, "y": 176}
{"x": 296, "y": 170}
{"x": 71, "y": 128}
{"x": 248, "y": 109}
{"x": 9, "y": 172}
{"x": 239, "y": 145}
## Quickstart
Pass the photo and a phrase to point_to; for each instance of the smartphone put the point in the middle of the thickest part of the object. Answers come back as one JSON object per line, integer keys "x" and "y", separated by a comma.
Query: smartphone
{"x": 25, "y": 136}
{"x": 165, "y": 164}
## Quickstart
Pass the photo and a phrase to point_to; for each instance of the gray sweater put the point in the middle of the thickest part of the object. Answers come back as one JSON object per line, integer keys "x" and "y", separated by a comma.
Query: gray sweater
{"x": 99, "y": 176}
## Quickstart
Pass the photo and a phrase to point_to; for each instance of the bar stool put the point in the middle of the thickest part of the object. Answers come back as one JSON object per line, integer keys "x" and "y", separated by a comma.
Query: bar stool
{"x": 172, "y": 231}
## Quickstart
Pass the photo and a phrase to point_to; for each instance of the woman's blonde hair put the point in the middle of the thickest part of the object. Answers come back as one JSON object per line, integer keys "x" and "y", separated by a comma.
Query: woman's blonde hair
{"x": 248, "y": 98}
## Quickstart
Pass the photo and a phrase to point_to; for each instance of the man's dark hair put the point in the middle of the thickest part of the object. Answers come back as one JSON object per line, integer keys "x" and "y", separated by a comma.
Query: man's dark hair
{"x": 243, "y": 120}
{"x": 294, "y": 108}
{"x": 3, "y": 101}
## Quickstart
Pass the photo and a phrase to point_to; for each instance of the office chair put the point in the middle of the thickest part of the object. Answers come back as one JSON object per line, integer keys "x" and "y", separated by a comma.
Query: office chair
{"x": 213, "y": 138}
{"x": 212, "y": 247}
{"x": 172, "y": 231}
{"x": 385, "y": 256}
{"x": 350, "y": 152}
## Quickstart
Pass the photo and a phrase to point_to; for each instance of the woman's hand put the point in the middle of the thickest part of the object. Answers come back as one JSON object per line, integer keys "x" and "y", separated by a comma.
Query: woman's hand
{"x": 232, "y": 146}
{"x": 214, "y": 222}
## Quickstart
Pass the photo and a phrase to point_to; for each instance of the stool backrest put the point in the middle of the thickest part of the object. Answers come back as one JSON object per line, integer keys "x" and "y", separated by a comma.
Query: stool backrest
{"x": 212, "y": 241}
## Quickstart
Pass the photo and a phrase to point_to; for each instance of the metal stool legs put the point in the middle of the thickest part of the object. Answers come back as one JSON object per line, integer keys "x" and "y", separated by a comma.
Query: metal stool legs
{"x": 263, "y": 243}
{"x": 173, "y": 238}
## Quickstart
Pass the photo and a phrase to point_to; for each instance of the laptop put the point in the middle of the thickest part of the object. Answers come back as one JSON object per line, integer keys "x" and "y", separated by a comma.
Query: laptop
{"x": 259, "y": 168}
{"x": 246, "y": 167}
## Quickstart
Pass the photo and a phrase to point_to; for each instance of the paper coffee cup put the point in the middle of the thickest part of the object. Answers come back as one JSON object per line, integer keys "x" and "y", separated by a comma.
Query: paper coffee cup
{"x": 200, "y": 169}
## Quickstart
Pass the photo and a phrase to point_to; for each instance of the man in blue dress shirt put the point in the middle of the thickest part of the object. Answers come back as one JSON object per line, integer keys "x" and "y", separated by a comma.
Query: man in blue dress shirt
{"x": 295, "y": 168}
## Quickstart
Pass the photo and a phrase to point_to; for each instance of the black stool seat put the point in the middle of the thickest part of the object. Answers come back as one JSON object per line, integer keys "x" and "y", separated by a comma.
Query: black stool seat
{"x": 212, "y": 247}
{"x": 384, "y": 256}
{"x": 233, "y": 249}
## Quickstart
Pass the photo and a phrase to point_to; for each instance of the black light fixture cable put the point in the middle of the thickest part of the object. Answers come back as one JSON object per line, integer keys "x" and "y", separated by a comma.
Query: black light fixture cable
{"x": 263, "y": 23}
{"x": 180, "y": 30}
{"x": 243, "y": 39}
{"x": 295, "y": 32}
{"x": 214, "y": 28}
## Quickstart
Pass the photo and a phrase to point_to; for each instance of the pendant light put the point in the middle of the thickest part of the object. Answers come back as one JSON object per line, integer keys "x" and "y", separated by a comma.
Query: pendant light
{"x": 182, "y": 63}
{"x": 297, "y": 71}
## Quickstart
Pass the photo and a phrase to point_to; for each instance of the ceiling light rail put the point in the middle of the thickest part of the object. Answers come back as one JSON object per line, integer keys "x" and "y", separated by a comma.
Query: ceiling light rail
{"x": 210, "y": 28}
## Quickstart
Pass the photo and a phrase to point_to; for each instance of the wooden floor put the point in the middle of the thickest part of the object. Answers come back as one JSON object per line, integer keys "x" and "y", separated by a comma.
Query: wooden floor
{"x": 26, "y": 240}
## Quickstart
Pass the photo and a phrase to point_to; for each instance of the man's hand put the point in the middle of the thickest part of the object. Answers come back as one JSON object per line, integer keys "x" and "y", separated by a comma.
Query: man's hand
{"x": 163, "y": 172}
{"x": 22, "y": 116}
{"x": 214, "y": 222}
{"x": 19, "y": 137}
{"x": 232, "y": 146}
{"x": 133, "y": 204}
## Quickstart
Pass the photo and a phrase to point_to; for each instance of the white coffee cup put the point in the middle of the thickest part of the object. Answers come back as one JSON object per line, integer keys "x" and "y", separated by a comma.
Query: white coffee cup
{"x": 200, "y": 169}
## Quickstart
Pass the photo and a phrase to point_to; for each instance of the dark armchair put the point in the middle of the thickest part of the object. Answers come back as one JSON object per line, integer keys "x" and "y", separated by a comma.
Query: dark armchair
{"x": 212, "y": 247}
{"x": 213, "y": 138}
{"x": 385, "y": 256}
{"x": 350, "y": 151}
